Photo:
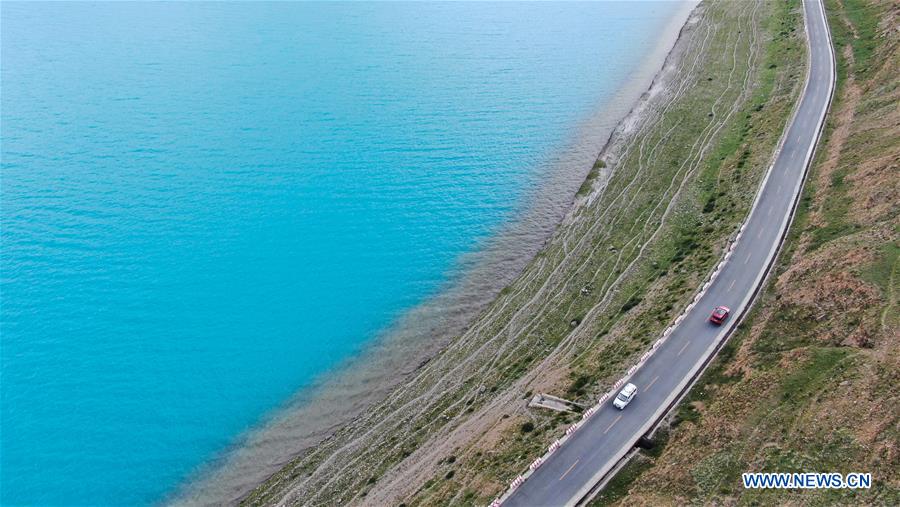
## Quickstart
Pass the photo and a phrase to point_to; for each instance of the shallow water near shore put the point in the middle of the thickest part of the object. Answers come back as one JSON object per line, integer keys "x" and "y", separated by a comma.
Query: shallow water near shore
{"x": 206, "y": 207}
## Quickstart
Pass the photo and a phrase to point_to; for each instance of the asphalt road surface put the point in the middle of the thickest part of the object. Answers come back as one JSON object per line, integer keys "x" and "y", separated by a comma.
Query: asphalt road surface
{"x": 570, "y": 473}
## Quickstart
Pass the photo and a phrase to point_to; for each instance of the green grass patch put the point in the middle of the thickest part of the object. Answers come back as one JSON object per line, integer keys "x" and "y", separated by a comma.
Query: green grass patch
{"x": 618, "y": 486}
{"x": 824, "y": 366}
{"x": 864, "y": 18}
{"x": 883, "y": 271}
{"x": 717, "y": 473}
{"x": 588, "y": 183}
{"x": 834, "y": 211}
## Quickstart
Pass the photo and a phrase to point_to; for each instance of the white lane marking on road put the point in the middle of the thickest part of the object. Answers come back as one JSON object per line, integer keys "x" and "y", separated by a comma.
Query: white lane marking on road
{"x": 748, "y": 257}
{"x": 651, "y": 383}
{"x": 731, "y": 285}
{"x": 793, "y": 154}
{"x": 570, "y": 469}
{"x": 685, "y": 346}
{"x": 759, "y": 234}
{"x": 612, "y": 424}
{"x": 769, "y": 213}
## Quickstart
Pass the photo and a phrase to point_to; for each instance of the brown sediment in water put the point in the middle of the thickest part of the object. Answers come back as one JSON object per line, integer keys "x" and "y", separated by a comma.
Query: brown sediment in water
{"x": 342, "y": 395}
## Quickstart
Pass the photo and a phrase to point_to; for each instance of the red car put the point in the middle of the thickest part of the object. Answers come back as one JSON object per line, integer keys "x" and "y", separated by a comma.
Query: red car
{"x": 719, "y": 314}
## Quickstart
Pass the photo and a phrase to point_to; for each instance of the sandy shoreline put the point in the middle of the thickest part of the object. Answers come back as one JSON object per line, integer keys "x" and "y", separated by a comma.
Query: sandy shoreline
{"x": 339, "y": 397}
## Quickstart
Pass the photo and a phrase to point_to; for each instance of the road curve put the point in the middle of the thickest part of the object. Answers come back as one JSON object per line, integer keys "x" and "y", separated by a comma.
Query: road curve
{"x": 569, "y": 474}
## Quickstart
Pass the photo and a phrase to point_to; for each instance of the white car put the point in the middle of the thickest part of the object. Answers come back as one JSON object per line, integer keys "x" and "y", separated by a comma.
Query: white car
{"x": 625, "y": 396}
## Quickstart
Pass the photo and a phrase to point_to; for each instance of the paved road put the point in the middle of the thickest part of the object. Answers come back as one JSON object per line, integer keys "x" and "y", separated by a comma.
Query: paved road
{"x": 591, "y": 452}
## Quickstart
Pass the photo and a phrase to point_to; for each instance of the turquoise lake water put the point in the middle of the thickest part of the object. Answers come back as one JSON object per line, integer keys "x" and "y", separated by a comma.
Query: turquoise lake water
{"x": 206, "y": 206}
